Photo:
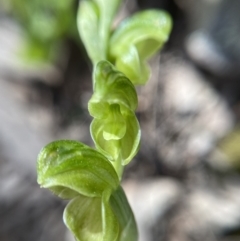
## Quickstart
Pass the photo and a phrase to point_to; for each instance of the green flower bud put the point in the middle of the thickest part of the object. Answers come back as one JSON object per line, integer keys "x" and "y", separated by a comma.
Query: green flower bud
{"x": 98, "y": 210}
{"x": 115, "y": 129}
{"x": 94, "y": 23}
{"x": 111, "y": 87}
{"x": 136, "y": 40}
{"x": 123, "y": 149}
{"x": 91, "y": 219}
{"x": 101, "y": 219}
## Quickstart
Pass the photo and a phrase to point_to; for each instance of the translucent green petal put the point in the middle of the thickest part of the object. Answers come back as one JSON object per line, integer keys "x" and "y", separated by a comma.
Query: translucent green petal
{"x": 134, "y": 67}
{"x": 107, "y": 10}
{"x": 64, "y": 165}
{"x": 111, "y": 226}
{"x": 148, "y": 25}
{"x": 114, "y": 125}
{"x": 137, "y": 39}
{"x": 124, "y": 148}
{"x": 109, "y": 148}
{"x": 88, "y": 28}
{"x": 125, "y": 217}
{"x": 101, "y": 219}
{"x": 83, "y": 217}
{"x": 131, "y": 140}
{"x": 94, "y": 23}
{"x": 111, "y": 87}
{"x": 91, "y": 219}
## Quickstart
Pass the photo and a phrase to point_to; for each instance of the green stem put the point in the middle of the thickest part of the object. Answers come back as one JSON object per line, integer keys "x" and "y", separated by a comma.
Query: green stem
{"x": 117, "y": 164}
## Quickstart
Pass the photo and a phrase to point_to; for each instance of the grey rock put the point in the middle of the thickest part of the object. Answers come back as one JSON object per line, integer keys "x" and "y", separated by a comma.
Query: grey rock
{"x": 150, "y": 200}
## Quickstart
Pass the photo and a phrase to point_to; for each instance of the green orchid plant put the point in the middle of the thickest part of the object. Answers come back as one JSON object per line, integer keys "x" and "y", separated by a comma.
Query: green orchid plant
{"x": 91, "y": 178}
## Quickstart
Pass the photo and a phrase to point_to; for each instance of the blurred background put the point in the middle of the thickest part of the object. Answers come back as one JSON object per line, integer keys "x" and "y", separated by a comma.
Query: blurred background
{"x": 184, "y": 184}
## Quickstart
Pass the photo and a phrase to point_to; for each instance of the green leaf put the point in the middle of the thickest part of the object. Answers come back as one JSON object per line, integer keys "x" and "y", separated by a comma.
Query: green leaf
{"x": 45, "y": 24}
{"x": 94, "y": 23}
{"x": 136, "y": 40}
{"x": 69, "y": 168}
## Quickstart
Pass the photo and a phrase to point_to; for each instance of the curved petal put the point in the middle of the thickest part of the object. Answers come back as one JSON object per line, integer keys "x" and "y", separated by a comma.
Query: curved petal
{"x": 64, "y": 165}
{"x": 133, "y": 66}
{"x": 83, "y": 217}
{"x": 131, "y": 141}
{"x": 111, "y": 87}
{"x": 91, "y": 219}
{"x": 124, "y": 148}
{"x": 127, "y": 224}
{"x": 94, "y": 22}
{"x": 109, "y": 148}
{"x": 114, "y": 126}
{"x": 137, "y": 39}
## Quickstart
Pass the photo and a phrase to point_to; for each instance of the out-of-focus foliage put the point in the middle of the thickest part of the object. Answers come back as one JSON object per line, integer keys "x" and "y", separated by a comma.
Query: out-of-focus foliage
{"x": 46, "y": 24}
{"x": 230, "y": 147}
